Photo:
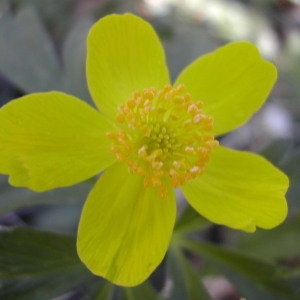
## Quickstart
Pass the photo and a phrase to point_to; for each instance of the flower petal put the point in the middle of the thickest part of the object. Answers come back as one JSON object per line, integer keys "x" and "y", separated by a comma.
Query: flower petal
{"x": 50, "y": 140}
{"x": 124, "y": 55}
{"x": 233, "y": 82}
{"x": 240, "y": 190}
{"x": 125, "y": 229}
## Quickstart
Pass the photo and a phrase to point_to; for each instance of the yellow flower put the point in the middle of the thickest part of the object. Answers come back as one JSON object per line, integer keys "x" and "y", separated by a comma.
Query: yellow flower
{"x": 152, "y": 137}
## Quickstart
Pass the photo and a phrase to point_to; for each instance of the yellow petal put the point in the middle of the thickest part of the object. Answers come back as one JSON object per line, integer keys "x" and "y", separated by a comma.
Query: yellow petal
{"x": 240, "y": 190}
{"x": 50, "y": 140}
{"x": 233, "y": 82}
{"x": 125, "y": 229}
{"x": 124, "y": 54}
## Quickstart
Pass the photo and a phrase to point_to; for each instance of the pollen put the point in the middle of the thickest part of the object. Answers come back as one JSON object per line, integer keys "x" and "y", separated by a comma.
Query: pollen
{"x": 163, "y": 136}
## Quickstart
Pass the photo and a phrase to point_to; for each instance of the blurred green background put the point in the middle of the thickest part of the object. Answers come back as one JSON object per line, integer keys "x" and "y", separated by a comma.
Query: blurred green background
{"x": 43, "y": 47}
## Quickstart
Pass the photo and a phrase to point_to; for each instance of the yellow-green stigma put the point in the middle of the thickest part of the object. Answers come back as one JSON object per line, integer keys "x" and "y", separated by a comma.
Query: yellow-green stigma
{"x": 164, "y": 136}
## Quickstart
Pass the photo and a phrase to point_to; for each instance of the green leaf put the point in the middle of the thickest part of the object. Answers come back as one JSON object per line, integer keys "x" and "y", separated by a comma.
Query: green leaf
{"x": 276, "y": 150}
{"x": 190, "y": 221}
{"x": 42, "y": 287}
{"x": 280, "y": 242}
{"x": 253, "y": 291}
{"x": 74, "y": 58}
{"x": 30, "y": 61}
{"x": 27, "y": 252}
{"x": 186, "y": 282}
{"x": 56, "y": 14}
{"x": 105, "y": 292}
{"x": 143, "y": 291}
{"x": 13, "y": 198}
{"x": 291, "y": 167}
{"x": 99, "y": 289}
{"x": 37, "y": 265}
{"x": 249, "y": 270}
{"x": 293, "y": 280}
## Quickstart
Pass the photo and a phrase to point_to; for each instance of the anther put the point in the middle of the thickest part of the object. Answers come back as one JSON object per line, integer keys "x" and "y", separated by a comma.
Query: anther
{"x": 197, "y": 118}
{"x": 189, "y": 149}
{"x": 194, "y": 169}
{"x": 192, "y": 108}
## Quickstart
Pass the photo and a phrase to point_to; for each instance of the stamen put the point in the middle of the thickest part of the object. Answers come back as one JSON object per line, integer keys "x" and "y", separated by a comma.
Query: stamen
{"x": 194, "y": 169}
{"x": 164, "y": 136}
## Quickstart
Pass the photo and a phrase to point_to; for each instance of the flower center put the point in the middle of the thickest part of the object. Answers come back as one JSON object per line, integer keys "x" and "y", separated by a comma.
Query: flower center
{"x": 163, "y": 136}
